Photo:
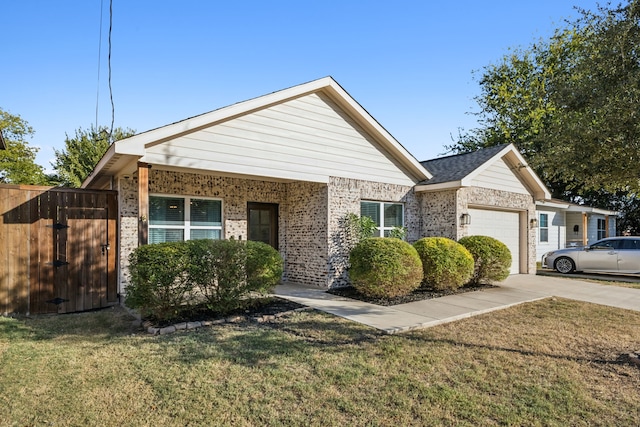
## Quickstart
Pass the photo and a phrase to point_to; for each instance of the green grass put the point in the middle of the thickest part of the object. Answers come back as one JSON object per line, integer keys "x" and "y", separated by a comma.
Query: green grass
{"x": 553, "y": 362}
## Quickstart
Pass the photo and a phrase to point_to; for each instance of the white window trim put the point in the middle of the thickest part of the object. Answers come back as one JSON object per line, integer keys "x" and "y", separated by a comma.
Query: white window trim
{"x": 540, "y": 228}
{"x": 187, "y": 227}
{"x": 601, "y": 233}
{"x": 381, "y": 228}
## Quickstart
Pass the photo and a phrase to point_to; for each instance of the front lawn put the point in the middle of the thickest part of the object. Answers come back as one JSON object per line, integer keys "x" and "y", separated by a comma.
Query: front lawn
{"x": 553, "y": 362}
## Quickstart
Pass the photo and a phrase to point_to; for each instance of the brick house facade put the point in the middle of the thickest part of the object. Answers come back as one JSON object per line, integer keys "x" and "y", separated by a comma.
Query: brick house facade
{"x": 315, "y": 155}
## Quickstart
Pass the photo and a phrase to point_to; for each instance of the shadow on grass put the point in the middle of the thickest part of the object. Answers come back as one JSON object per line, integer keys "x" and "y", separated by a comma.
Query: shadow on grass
{"x": 253, "y": 344}
{"x": 522, "y": 352}
{"x": 108, "y": 322}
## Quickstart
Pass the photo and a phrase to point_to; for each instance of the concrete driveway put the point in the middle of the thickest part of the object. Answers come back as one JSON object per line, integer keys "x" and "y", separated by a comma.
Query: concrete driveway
{"x": 517, "y": 289}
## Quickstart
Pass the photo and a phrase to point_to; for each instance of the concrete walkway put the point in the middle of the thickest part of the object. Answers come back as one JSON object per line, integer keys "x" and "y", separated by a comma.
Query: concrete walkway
{"x": 517, "y": 289}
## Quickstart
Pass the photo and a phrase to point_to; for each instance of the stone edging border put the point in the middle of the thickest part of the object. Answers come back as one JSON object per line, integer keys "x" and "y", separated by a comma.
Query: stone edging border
{"x": 152, "y": 330}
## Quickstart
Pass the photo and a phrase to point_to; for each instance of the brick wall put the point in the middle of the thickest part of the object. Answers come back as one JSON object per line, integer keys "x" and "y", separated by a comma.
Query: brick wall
{"x": 302, "y": 222}
{"x": 344, "y": 197}
{"x": 439, "y": 214}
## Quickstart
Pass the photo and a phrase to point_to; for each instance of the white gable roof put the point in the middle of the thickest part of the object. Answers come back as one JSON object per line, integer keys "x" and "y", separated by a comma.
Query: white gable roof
{"x": 308, "y": 132}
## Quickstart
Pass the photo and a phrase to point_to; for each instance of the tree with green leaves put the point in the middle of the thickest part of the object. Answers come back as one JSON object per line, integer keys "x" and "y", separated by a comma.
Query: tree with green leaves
{"x": 570, "y": 104}
{"x": 83, "y": 151}
{"x": 17, "y": 162}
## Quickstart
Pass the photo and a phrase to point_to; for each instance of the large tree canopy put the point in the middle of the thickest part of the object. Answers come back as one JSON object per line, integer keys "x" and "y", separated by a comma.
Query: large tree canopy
{"x": 82, "y": 152}
{"x": 570, "y": 104}
{"x": 17, "y": 162}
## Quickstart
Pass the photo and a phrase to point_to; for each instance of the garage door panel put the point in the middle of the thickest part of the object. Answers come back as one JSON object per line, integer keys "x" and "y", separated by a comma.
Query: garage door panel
{"x": 501, "y": 225}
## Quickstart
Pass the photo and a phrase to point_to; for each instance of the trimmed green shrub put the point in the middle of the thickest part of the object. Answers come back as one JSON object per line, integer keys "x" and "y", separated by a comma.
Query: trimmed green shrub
{"x": 217, "y": 270}
{"x": 264, "y": 267}
{"x": 446, "y": 264}
{"x": 492, "y": 258}
{"x": 169, "y": 279}
{"x": 226, "y": 271}
{"x": 385, "y": 267}
{"x": 159, "y": 287}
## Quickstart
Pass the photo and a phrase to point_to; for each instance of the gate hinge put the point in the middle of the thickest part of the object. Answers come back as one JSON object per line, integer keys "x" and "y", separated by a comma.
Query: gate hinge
{"x": 58, "y": 226}
{"x": 58, "y": 263}
{"x": 57, "y": 301}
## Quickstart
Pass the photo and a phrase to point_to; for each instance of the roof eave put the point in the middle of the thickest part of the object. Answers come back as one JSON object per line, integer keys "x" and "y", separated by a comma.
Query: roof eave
{"x": 449, "y": 185}
{"x": 136, "y": 145}
{"x": 530, "y": 178}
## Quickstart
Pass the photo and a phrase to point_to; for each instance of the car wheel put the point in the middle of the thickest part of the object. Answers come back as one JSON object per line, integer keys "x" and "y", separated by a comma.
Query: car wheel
{"x": 565, "y": 265}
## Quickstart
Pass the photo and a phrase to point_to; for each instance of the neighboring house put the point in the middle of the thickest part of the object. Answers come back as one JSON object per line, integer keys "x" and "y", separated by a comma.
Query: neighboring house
{"x": 3, "y": 146}
{"x": 286, "y": 168}
{"x": 562, "y": 224}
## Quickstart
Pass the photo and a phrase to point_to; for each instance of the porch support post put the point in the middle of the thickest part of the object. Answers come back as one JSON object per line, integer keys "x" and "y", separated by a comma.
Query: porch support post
{"x": 143, "y": 203}
{"x": 585, "y": 222}
{"x": 606, "y": 226}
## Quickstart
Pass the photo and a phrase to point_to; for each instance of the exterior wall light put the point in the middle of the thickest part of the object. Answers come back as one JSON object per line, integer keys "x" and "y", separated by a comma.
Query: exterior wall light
{"x": 533, "y": 223}
{"x": 465, "y": 219}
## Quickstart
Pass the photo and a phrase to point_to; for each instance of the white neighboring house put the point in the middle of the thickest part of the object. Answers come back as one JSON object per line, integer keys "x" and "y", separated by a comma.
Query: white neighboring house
{"x": 562, "y": 224}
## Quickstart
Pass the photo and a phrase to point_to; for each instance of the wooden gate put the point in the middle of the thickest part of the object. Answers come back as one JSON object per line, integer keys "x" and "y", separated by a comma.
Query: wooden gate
{"x": 58, "y": 249}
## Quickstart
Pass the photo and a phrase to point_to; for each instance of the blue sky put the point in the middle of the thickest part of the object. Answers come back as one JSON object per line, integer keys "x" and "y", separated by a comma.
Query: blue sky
{"x": 410, "y": 64}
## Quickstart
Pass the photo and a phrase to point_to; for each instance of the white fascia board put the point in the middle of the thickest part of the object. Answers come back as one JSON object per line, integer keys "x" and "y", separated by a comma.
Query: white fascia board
{"x": 540, "y": 191}
{"x": 589, "y": 209}
{"x": 106, "y": 158}
{"x": 551, "y": 204}
{"x": 450, "y": 185}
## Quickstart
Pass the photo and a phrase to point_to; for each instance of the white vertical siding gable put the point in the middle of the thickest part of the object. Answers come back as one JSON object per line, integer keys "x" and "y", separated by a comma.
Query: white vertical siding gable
{"x": 307, "y": 138}
{"x": 499, "y": 176}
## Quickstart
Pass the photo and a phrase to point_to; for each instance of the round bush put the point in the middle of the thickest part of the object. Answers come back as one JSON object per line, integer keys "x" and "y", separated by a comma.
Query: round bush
{"x": 385, "y": 267}
{"x": 492, "y": 258}
{"x": 446, "y": 264}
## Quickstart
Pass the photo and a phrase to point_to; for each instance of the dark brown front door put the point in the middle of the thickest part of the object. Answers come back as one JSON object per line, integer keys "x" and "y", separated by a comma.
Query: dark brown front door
{"x": 262, "y": 219}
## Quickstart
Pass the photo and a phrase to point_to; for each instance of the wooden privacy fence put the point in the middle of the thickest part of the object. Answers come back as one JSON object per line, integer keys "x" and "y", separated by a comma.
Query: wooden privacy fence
{"x": 58, "y": 249}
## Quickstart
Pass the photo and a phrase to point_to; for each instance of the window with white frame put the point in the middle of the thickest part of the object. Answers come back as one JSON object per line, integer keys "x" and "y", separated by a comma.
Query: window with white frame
{"x": 602, "y": 228}
{"x": 543, "y": 227}
{"x": 387, "y": 216}
{"x": 174, "y": 218}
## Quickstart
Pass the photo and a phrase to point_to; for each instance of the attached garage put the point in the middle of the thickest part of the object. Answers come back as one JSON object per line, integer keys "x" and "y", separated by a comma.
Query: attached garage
{"x": 501, "y": 225}
{"x": 490, "y": 192}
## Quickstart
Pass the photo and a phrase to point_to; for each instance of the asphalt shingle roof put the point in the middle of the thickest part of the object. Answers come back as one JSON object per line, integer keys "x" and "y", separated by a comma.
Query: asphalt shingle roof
{"x": 458, "y": 166}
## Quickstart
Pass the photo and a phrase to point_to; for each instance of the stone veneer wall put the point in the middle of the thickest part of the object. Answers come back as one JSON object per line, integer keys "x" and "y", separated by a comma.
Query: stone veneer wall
{"x": 439, "y": 214}
{"x": 302, "y": 216}
{"x": 309, "y": 216}
{"x": 307, "y": 233}
{"x": 128, "y": 232}
{"x": 478, "y": 197}
{"x": 344, "y": 196}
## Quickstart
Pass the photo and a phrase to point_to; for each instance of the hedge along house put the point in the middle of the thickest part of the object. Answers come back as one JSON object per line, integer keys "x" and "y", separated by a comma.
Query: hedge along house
{"x": 286, "y": 168}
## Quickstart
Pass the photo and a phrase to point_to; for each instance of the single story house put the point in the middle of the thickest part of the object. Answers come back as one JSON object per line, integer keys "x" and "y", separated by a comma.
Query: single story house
{"x": 562, "y": 224}
{"x": 286, "y": 168}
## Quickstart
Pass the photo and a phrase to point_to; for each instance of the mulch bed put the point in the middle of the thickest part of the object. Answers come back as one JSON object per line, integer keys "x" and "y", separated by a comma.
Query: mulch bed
{"x": 257, "y": 307}
{"x": 419, "y": 294}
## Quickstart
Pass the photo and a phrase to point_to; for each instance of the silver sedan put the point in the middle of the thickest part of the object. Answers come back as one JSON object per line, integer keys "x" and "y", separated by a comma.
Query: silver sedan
{"x": 613, "y": 254}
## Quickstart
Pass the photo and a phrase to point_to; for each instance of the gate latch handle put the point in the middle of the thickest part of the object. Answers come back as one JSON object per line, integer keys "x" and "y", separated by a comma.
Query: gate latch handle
{"x": 105, "y": 247}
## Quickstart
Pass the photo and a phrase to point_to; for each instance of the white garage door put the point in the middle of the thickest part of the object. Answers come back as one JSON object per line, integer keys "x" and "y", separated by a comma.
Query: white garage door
{"x": 501, "y": 225}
